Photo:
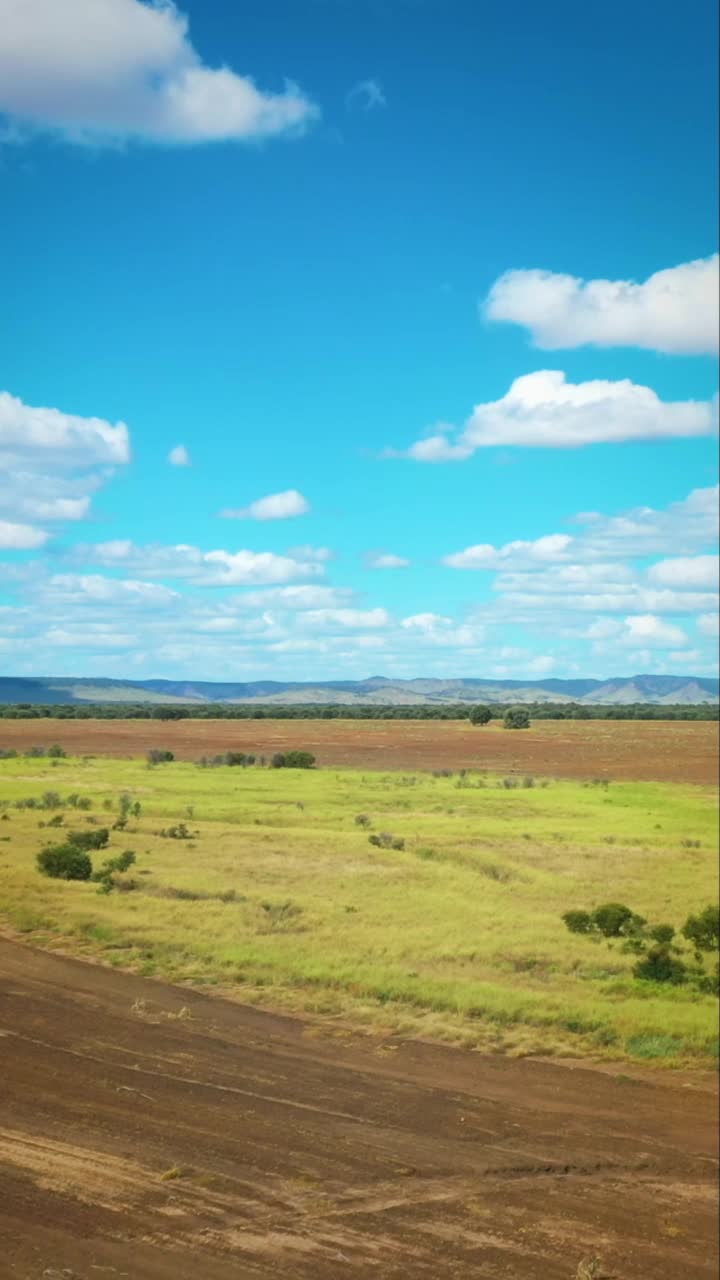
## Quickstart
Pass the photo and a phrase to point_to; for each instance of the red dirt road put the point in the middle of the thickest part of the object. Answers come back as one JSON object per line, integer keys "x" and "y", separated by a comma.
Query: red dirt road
{"x": 643, "y": 750}
{"x": 289, "y": 1156}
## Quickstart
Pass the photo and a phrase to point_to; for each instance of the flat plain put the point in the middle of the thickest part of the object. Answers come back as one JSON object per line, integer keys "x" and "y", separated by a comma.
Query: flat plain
{"x": 374, "y": 1060}
{"x": 643, "y": 750}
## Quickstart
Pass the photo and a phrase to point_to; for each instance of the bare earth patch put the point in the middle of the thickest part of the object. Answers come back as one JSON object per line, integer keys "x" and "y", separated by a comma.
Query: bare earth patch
{"x": 640, "y": 750}
{"x": 229, "y": 1143}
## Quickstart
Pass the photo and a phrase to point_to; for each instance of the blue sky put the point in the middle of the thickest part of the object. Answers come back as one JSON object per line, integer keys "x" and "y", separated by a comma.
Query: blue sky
{"x": 437, "y": 278}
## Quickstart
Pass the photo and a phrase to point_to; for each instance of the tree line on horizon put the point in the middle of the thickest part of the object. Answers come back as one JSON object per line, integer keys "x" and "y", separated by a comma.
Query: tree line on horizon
{"x": 339, "y": 711}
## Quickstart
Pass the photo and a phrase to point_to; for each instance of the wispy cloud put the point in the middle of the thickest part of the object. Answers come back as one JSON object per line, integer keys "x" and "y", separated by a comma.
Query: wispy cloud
{"x": 367, "y": 95}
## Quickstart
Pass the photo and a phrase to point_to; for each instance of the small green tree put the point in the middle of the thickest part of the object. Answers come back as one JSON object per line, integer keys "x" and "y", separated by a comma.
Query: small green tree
{"x": 703, "y": 930}
{"x": 612, "y": 918}
{"x": 578, "y": 921}
{"x": 64, "y": 862}
{"x": 516, "y": 718}
{"x": 299, "y": 760}
{"x": 89, "y": 839}
{"x": 480, "y": 715}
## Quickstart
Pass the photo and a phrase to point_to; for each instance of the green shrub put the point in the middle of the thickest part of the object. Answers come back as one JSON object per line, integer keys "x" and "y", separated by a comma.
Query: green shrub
{"x": 516, "y": 718}
{"x": 64, "y": 862}
{"x": 660, "y": 965}
{"x": 89, "y": 839}
{"x": 480, "y": 715}
{"x": 156, "y": 755}
{"x": 662, "y": 933}
{"x": 703, "y": 930}
{"x": 578, "y": 921}
{"x": 299, "y": 760}
{"x": 612, "y": 918}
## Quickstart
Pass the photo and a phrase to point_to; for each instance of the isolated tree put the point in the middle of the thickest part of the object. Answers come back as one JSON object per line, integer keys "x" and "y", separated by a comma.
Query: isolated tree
{"x": 517, "y": 718}
{"x": 480, "y": 715}
{"x": 703, "y": 930}
{"x": 64, "y": 862}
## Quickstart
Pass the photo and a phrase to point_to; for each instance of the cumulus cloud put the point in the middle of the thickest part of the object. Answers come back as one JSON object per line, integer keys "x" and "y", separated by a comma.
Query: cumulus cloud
{"x": 276, "y": 506}
{"x": 708, "y": 624}
{"x": 544, "y": 410}
{"x": 104, "y": 70}
{"x": 553, "y": 546}
{"x": 687, "y": 571}
{"x": 366, "y": 94}
{"x": 385, "y": 560}
{"x": 21, "y": 537}
{"x": 179, "y": 456}
{"x": 674, "y": 310}
{"x": 648, "y": 630}
{"x": 687, "y": 526}
{"x": 50, "y": 464}
{"x": 206, "y": 568}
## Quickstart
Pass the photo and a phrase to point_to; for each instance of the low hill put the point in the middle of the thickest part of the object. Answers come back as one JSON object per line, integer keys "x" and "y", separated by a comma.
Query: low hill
{"x": 376, "y": 691}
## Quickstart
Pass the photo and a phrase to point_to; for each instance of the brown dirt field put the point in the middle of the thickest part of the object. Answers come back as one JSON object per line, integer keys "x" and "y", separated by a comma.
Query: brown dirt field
{"x": 642, "y": 750}
{"x": 156, "y": 1133}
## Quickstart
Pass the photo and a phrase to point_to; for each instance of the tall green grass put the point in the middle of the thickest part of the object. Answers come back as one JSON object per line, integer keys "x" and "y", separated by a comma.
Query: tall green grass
{"x": 458, "y": 935}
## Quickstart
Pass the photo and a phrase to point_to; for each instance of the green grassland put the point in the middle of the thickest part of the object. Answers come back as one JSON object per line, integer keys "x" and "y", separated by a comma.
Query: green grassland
{"x": 277, "y": 896}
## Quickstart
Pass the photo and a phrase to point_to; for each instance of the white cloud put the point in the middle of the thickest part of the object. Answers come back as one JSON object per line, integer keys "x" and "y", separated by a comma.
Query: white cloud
{"x": 544, "y": 410}
{"x": 206, "y": 568}
{"x": 179, "y": 456}
{"x": 318, "y": 555}
{"x": 541, "y": 665}
{"x": 276, "y": 506}
{"x": 300, "y": 598}
{"x": 708, "y": 624}
{"x": 684, "y": 526}
{"x": 73, "y": 588}
{"x": 648, "y": 630}
{"x": 21, "y": 537}
{"x": 100, "y": 70}
{"x": 385, "y": 560}
{"x": 686, "y": 571}
{"x": 425, "y": 621}
{"x": 60, "y": 437}
{"x": 688, "y": 525}
{"x": 367, "y": 94}
{"x": 674, "y": 311}
{"x": 553, "y": 546}
{"x": 50, "y": 464}
{"x": 353, "y": 619}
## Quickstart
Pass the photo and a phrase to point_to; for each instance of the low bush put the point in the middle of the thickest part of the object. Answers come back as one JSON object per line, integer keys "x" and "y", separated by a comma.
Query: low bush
{"x": 703, "y": 930}
{"x": 293, "y": 760}
{"x": 89, "y": 839}
{"x": 660, "y": 965}
{"x": 516, "y": 718}
{"x": 64, "y": 862}
{"x": 578, "y": 921}
{"x": 157, "y": 755}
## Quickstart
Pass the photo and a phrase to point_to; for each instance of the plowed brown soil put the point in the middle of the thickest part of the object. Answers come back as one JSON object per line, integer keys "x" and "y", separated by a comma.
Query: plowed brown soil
{"x": 151, "y": 1132}
{"x": 643, "y": 750}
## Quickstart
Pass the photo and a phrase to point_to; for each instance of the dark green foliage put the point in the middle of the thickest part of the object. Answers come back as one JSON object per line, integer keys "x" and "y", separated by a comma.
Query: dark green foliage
{"x": 703, "y": 930}
{"x": 50, "y": 800}
{"x": 660, "y": 965}
{"x": 612, "y": 919}
{"x": 480, "y": 715}
{"x": 89, "y": 839}
{"x": 64, "y": 862}
{"x": 516, "y": 718}
{"x": 179, "y": 832}
{"x": 662, "y": 933}
{"x": 578, "y": 921}
{"x": 56, "y": 752}
{"x": 293, "y": 760}
{"x": 156, "y": 755}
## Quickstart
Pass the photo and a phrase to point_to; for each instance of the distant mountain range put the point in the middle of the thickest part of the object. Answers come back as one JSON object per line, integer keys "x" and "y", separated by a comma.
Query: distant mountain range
{"x": 377, "y": 691}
